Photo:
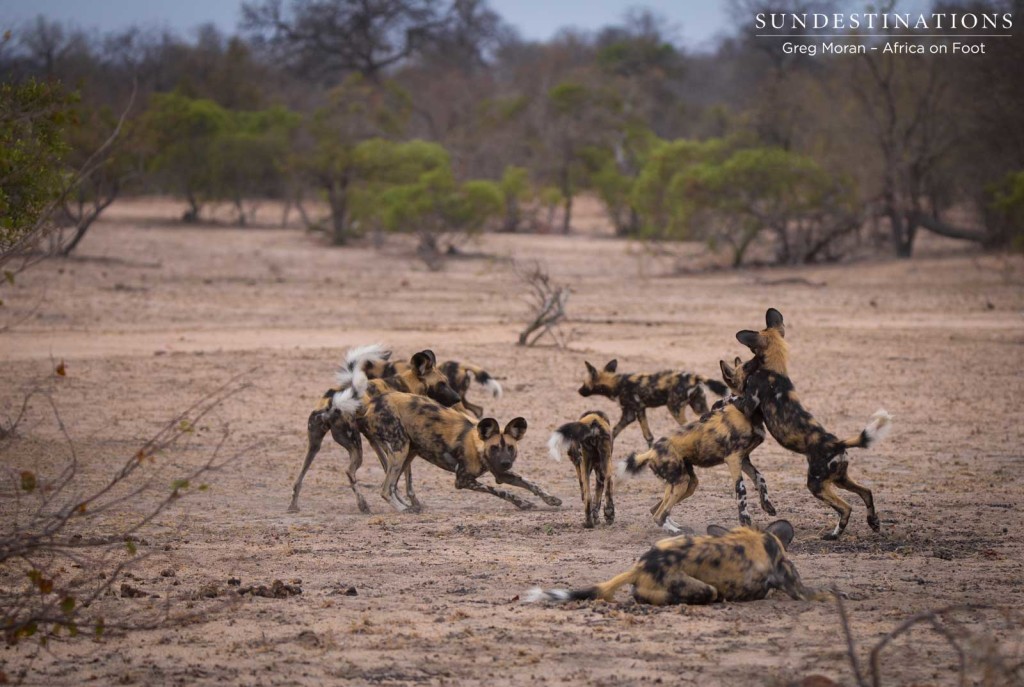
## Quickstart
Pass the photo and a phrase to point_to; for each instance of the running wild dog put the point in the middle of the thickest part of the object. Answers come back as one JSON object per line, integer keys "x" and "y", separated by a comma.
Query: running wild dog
{"x": 460, "y": 377}
{"x": 588, "y": 442}
{"x": 402, "y": 426}
{"x": 420, "y": 377}
{"x": 727, "y": 434}
{"x": 796, "y": 429}
{"x": 742, "y": 564}
{"x": 638, "y": 392}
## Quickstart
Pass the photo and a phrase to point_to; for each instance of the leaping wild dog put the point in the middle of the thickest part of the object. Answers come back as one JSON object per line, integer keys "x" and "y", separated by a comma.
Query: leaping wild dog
{"x": 638, "y": 392}
{"x": 795, "y": 428}
{"x": 402, "y": 426}
{"x": 588, "y": 442}
{"x": 742, "y": 564}
{"x": 727, "y": 434}
{"x": 420, "y": 377}
{"x": 460, "y": 377}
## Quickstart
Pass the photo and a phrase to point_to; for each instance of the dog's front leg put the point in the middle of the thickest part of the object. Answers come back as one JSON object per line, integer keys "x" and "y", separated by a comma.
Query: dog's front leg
{"x": 517, "y": 481}
{"x": 466, "y": 482}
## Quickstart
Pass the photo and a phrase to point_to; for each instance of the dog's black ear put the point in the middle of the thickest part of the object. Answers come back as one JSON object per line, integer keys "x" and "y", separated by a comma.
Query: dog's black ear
{"x": 487, "y": 428}
{"x": 591, "y": 369}
{"x": 422, "y": 363}
{"x": 430, "y": 354}
{"x": 737, "y": 362}
{"x": 773, "y": 318}
{"x": 727, "y": 372}
{"x": 749, "y": 339}
{"x": 717, "y": 530}
{"x": 783, "y": 530}
{"x": 516, "y": 428}
{"x": 386, "y": 355}
{"x": 611, "y": 366}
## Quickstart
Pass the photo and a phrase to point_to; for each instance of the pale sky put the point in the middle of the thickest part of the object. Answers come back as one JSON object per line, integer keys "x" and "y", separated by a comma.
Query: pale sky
{"x": 696, "y": 22}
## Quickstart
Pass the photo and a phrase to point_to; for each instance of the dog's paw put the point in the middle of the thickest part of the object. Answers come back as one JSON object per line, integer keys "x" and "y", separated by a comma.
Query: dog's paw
{"x": 552, "y": 500}
{"x": 524, "y": 505}
{"x": 768, "y": 508}
{"x": 874, "y": 523}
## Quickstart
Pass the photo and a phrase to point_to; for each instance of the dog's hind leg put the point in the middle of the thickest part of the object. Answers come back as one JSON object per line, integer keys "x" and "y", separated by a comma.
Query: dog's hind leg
{"x": 604, "y": 484}
{"x": 843, "y": 481}
{"x": 473, "y": 408}
{"x": 414, "y": 503}
{"x": 823, "y": 490}
{"x": 582, "y": 473}
{"x": 672, "y": 587}
{"x": 347, "y": 435}
{"x": 735, "y": 463}
{"x": 317, "y": 429}
{"x": 762, "y": 486}
{"x": 676, "y": 494}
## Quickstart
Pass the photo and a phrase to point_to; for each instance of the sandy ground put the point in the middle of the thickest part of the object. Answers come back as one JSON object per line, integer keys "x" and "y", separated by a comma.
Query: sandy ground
{"x": 152, "y": 316}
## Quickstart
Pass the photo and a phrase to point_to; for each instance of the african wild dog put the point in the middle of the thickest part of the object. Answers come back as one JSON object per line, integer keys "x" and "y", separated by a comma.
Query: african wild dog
{"x": 797, "y": 430}
{"x": 402, "y": 426}
{"x": 742, "y": 564}
{"x": 460, "y": 377}
{"x": 638, "y": 392}
{"x": 588, "y": 441}
{"x": 727, "y": 434}
{"x": 420, "y": 377}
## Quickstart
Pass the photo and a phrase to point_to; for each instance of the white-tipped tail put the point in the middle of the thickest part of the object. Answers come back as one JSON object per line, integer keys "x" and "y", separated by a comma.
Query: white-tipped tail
{"x": 878, "y": 428}
{"x": 621, "y": 470}
{"x": 359, "y": 381}
{"x": 558, "y": 445}
{"x": 536, "y": 595}
{"x": 494, "y": 387}
{"x": 345, "y": 402}
{"x": 357, "y": 357}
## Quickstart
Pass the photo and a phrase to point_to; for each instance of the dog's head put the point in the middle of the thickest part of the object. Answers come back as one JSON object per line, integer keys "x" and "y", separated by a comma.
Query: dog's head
{"x": 780, "y": 531}
{"x": 500, "y": 447}
{"x": 768, "y": 345}
{"x": 602, "y": 383}
{"x": 432, "y": 383}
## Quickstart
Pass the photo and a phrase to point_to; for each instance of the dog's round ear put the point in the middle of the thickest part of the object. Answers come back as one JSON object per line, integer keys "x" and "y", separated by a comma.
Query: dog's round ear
{"x": 611, "y": 366}
{"x": 773, "y": 318}
{"x": 430, "y": 354}
{"x": 386, "y": 355}
{"x": 516, "y": 428}
{"x": 591, "y": 369}
{"x": 737, "y": 362}
{"x": 487, "y": 428}
{"x": 727, "y": 371}
{"x": 422, "y": 363}
{"x": 717, "y": 530}
{"x": 749, "y": 339}
{"x": 783, "y": 530}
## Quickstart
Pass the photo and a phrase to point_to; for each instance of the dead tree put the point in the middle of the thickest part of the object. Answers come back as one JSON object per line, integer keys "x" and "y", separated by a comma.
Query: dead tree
{"x": 547, "y": 305}
{"x": 64, "y": 544}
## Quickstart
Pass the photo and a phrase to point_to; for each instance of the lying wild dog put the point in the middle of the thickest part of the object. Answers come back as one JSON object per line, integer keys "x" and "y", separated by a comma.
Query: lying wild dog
{"x": 402, "y": 426}
{"x": 727, "y": 434}
{"x": 420, "y": 377}
{"x": 742, "y": 564}
{"x": 460, "y": 377}
{"x": 588, "y": 441}
{"x": 797, "y": 430}
{"x": 638, "y": 392}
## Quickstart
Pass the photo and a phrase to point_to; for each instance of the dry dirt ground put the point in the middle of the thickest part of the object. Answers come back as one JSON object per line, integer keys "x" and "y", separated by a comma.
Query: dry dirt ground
{"x": 152, "y": 316}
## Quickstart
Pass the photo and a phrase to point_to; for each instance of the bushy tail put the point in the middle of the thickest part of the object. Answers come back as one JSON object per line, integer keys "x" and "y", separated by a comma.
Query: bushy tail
{"x": 634, "y": 463}
{"x": 605, "y": 590}
{"x": 562, "y": 438}
{"x": 877, "y": 429}
{"x": 346, "y": 402}
{"x": 717, "y": 387}
{"x": 484, "y": 379}
{"x": 356, "y": 359}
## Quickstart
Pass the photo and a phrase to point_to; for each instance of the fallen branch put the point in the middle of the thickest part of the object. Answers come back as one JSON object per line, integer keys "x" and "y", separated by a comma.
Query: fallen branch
{"x": 547, "y": 303}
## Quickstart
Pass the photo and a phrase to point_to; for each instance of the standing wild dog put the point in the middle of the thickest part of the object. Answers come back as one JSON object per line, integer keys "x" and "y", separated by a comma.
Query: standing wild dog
{"x": 420, "y": 377}
{"x": 797, "y": 430}
{"x": 402, "y": 426}
{"x": 742, "y": 564}
{"x": 727, "y": 434}
{"x": 460, "y": 377}
{"x": 588, "y": 441}
{"x": 638, "y": 392}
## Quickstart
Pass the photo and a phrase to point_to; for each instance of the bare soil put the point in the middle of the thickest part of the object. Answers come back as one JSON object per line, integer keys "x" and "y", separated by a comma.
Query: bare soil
{"x": 152, "y": 316}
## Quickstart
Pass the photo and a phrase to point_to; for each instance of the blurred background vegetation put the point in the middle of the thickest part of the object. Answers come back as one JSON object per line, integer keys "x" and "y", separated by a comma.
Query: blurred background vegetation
{"x": 434, "y": 117}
